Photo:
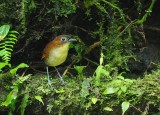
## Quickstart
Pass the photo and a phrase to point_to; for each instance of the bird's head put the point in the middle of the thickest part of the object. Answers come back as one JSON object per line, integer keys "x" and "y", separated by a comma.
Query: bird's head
{"x": 63, "y": 39}
{"x": 59, "y": 44}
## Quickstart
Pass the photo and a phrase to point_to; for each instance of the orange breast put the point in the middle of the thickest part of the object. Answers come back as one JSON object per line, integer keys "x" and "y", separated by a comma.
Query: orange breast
{"x": 55, "y": 53}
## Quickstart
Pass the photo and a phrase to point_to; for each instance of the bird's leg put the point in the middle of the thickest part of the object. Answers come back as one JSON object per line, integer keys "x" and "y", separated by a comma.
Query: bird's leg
{"x": 60, "y": 77}
{"x": 49, "y": 81}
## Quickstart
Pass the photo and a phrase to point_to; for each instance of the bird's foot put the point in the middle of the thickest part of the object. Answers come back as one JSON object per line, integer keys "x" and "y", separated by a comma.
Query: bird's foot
{"x": 62, "y": 81}
{"x": 50, "y": 83}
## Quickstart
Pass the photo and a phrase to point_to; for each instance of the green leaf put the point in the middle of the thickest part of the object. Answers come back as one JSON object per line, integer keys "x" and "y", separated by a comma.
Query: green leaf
{"x": 21, "y": 79}
{"x": 79, "y": 69}
{"x": 2, "y": 53}
{"x": 85, "y": 90}
{"x": 9, "y": 42}
{"x": 94, "y": 100}
{"x": 12, "y": 35}
{"x": 108, "y": 109}
{"x": 14, "y": 70}
{"x": 125, "y": 106}
{"x": 24, "y": 103}
{"x": 59, "y": 91}
{"x": 120, "y": 77}
{"x": 13, "y": 32}
{"x": 116, "y": 82}
{"x": 124, "y": 88}
{"x": 129, "y": 80}
{"x": 11, "y": 97}
{"x": 13, "y": 39}
{"x": 100, "y": 71}
{"x": 39, "y": 98}
{"x": 3, "y": 64}
{"x": 4, "y": 31}
{"x": 109, "y": 90}
{"x": 12, "y": 106}
{"x": 101, "y": 58}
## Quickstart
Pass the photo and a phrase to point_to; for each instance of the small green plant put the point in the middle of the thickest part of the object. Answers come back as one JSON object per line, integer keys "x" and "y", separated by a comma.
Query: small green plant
{"x": 13, "y": 95}
{"x": 7, "y": 42}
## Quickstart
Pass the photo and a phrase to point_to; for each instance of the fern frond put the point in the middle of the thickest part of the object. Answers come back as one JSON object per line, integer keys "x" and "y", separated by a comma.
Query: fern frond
{"x": 7, "y": 44}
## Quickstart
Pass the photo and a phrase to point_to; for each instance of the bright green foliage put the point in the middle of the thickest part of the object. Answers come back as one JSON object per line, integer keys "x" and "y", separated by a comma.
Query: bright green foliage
{"x": 85, "y": 88}
{"x": 86, "y": 95}
{"x": 94, "y": 100}
{"x": 125, "y": 106}
{"x": 79, "y": 69}
{"x": 4, "y": 31}
{"x": 39, "y": 98}
{"x": 3, "y": 64}
{"x": 6, "y": 44}
{"x": 108, "y": 109}
{"x": 7, "y": 41}
{"x": 14, "y": 70}
{"x": 24, "y": 103}
{"x": 109, "y": 90}
{"x": 11, "y": 97}
{"x": 101, "y": 71}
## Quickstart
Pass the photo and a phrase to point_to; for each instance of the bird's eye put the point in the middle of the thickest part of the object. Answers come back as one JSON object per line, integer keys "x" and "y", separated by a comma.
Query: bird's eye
{"x": 63, "y": 39}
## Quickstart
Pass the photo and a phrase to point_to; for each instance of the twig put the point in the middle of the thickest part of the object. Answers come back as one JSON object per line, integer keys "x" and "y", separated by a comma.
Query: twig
{"x": 152, "y": 28}
{"x": 149, "y": 66}
{"x": 125, "y": 28}
{"x": 66, "y": 70}
{"x": 81, "y": 29}
{"x": 22, "y": 49}
{"x": 26, "y": 70}
{"x": 132, "y": 22}
{"x": 91, "y": 61}
{"x": 136, "y": 108}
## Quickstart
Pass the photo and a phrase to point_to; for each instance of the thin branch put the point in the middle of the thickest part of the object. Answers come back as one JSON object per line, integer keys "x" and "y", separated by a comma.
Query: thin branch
{"x": 132, "y": 22}
{"x": 148, "y": 11}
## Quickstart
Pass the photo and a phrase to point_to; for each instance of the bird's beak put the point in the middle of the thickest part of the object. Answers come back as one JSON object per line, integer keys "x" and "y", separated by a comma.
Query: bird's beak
{"x": 72, "y": 40}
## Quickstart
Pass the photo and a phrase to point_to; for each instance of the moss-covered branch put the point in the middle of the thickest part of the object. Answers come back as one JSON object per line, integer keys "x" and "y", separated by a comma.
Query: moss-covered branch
{"x": 148, "y": 11}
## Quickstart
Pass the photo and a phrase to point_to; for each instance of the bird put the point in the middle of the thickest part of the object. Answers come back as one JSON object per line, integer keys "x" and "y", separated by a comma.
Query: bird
{"x": 56, "y": 52}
